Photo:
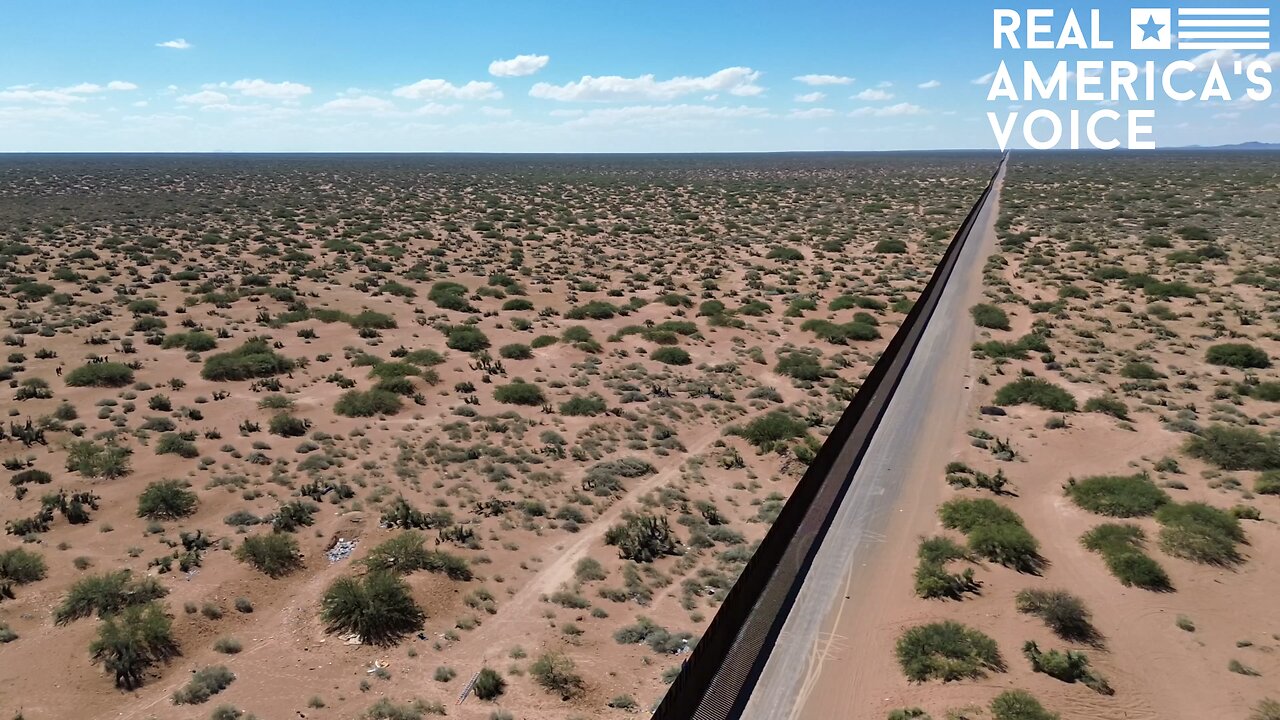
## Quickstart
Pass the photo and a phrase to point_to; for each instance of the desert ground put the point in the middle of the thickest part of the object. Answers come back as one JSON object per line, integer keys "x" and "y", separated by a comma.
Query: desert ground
{"x": 335, "y": 437}
{"x": 1099, "y": 540}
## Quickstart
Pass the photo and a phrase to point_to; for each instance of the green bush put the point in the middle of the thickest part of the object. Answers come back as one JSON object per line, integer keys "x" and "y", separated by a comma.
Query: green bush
{"x": 771, "y": 430}
{"x": 1236, "y": 448}
{"x": 378, "y": 608}
{"x": 671, "y": 356}
{"x": 19, "y": 566}
{"x": 519, "y": 393}
{"x": 1268, "y": 483}
{"x": 450, "y": 296}
{"x": 1019, "y": 705}
{"x": 781, "y": 252}
{"x": 989, "y": 316}
{"x": 555, "y": 672}
{"x": 1266, "y": 709}
{"x": 406, "y": 553}
{"x": 1140, "y": 371}
{"x": 1121, "y": 496}
{"x": 286, "y": 425}
{"x": 106, "y": 374}
{"x": 801, "y": 366}
{"x": 594, "y": 310}
{"x": 204, "y": 684}
{"x": 1069, "y": 667}
{"x": 129, "y": 644}
{"x": 1237, "y": 355}
{"x": 543, "y": 341}
{"x": 947, "y": 651}
{"x": 1038, "y": 392}
{"x": 166, "y": 500}
{"x": 932, "y": 579}
{"x": 1200, "y": 533}
{"x": 1107, "y": 405}
{"x": 642, "y": 538}
{"x": 106, "y": 594}
{"x": 517, "y": 304}
{"x": 253, "y": 359}
{"x": 489, "y": 684}
{"x": 583, "y": 405}
{"x": 194, "y": 341}
{"x": 1062, "y": 612}
{"x": 994, "y": 532}
{"x": 891, "y": 246}
{"x": 1268, "y": 390}
{"x": 367, "y": 403}
{"x": 466, "y": 339}
{"x": 1121, "y": 548}
{"x": 275, "y": 554}
{"x": 516, "y": 351}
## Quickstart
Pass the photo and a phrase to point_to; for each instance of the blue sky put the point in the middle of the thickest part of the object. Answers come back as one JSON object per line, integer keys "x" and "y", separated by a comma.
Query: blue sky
{"x": 592, "y": 76}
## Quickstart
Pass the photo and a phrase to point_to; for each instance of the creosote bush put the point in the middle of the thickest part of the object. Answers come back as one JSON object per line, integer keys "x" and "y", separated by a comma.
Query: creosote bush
{"x": 367, "y": 403}
{"x": 1120, "y": 496}
{"x": 1019, "y": 705}
{"x": 519, "y": 393}
{"x": 1200, "y": 533}
{"x": 204, "y": 684}
{"x": 1235, "y": 448}
{"x": 106, "y": 594}
{"x": 1038, "y": 392}
{"x": 1237, "y": 355}
{"x": 1121, "y": 548}
{"x": 947, "y": 651}
{"x": 274, "y": 554}
{"x": 989, "y": 316}
{"x": 994, "y": 532}
{"x": 1062, "y": 612}
{"x": 106, "y": 375}
{"x": 489, "y": 684}
{"x": 556, "y": 673}
{"x": 129, "y": 644}
{"x": 378, "y": 608}
{"x": 166, "y": 500}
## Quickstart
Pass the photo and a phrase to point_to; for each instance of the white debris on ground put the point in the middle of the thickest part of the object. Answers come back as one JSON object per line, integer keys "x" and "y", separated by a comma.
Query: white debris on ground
{"x": 341, "y": 550}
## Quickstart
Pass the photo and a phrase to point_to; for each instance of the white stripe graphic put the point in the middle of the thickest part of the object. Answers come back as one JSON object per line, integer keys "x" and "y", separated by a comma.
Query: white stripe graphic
{"x": 1224, "y": 11}
{"x": 1224, "y": 23}
{"x": 1201, "y": 35}
{"x": 1223, "y": 46}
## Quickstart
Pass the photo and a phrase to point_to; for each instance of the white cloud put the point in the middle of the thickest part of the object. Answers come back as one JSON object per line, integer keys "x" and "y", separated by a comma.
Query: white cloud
{"x": 268, "y": 90}
{"x": 873, "y": 95}
{"x": 811, "y": 97}
{"x": 121, "y": 85}
{"x": 432, "y": 89}
{"x": 1226, "y": 58}
{"x": 811, "y": 113}
{"x": 823, "y": 79}
{"x": 56, "y": 96}
{"x": 437, "y": 109}
{"x": 985, "y": 79}
{"x": 929, "y": 85}
{"x": 664, "y": 115}
{"x": 902, "y": 108}
{"x": 359, "y": 104}
{"x": 734, "y": 80}
{"x": 83, "y": 89}
{"x": 518, "y": 66}
{"x": 496, "y": 111}
{"x": 884, "y": 84}
{"x": 204, "y": 97}
{"x": 178, "y": 44}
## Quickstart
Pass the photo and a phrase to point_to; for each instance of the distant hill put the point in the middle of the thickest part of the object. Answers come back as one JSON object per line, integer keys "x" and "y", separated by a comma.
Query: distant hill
{"x": 1252, "y": 145}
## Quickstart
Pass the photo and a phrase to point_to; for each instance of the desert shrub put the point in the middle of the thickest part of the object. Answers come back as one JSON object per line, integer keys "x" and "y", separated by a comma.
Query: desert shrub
{"x": 204, "y": 684}
{"x": 1019, "y": 705}
{"x": 106, "y": 594}
{"x": 1038, "y": 392}
{"x": 891, "y": 246}
{"x": 357, "y": 403}
{"x": 180, "y": 444}
{"x": 1062, "y": 612}
{"x": 19, "y": 566}
{"x": 594, "y": 310}
{"x": 378, "y": 608}
{"x": 32, "y": 476}
{"x": 406, "y": 553}
{"x": 947, "y": 651}
{"x": 543, "y": 341}
{"x": 658, "y": 638}
{"x": 1266, "y": 709}
{"x": 517, "y": 304}
{"x": 771, "y": 430}
{"x": 1121, "y": 549}
{"x": 1235, "y": 448}
{"x": 489, "y": 684}
{"x": 127, "y": 645}
{"x": 781, "y": 252}
{"x": 106, "y": 374}
{"x": 989, "y": 316}
{"x": 1069, "y": 667}
{"x": 194, "y": 341}
{"x": 1268, "y": 483}
{"x": 581, "y": 405}
{"x": 1117, "y": 495}
{"x": 671, "y": 356}
{"x": 274, "y": 554}
{"x": 466, "y": 339}
{"x": 166, "y": 500}
{"x": 841, "y": 334}
{"x": 604, "y": 478}
{"x": 994, "y": 532}
{"x": 519, "y": 393}
{"x": 932, "y": 579}
{"x": 450, "y": 296}
{"x": 1268, "y": 390}
{"x": 642, "y": 538}
{"x": 371, "y": 320}
{"x": 1107, "y": 405}
{"x": 227, "y": 646}
{"x": 1237, "y": 355}
{"x": 912, "y": 713}
{"x": 555, "y": 672}
{"x": 1200, "y": 533}
{"x": 1140, "y": 371}
{"x": 801, "y": 366}
{"x": 286, "y": 425}
{"x": 516, "y": 351}
{"x": 253, "y": 359}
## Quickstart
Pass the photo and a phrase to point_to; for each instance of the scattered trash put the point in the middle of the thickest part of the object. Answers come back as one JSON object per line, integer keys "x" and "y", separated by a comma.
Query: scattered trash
{"x": 351, "y": 639}
{"x": 376, "y": 666}
{"x": 341, "y": 550}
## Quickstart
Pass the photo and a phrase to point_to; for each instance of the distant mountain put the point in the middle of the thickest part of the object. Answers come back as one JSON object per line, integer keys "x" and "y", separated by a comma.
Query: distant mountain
{"x": 1252, "y": 145}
